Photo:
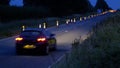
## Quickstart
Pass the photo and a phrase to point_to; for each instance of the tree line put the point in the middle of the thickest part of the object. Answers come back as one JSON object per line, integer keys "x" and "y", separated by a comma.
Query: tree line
{"x": 69, "y": 5}
{"x": 56, "y": 7}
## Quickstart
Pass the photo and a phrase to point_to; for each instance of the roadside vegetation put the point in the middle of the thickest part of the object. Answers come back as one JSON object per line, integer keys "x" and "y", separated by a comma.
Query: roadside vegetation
{"x": 13, "y": 18}
{"x": 100, "y": 50}
{"x": 13, "y": 28}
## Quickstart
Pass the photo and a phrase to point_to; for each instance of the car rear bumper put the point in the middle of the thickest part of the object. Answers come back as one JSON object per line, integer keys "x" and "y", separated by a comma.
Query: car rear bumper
{"x": 34, "y": 48}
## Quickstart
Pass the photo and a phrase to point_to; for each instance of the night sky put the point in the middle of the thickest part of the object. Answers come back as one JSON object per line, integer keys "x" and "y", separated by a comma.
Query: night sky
{"x": 115, "y": 4}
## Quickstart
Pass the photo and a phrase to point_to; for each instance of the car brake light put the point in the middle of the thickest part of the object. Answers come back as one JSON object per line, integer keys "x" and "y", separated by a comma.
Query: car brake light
{"x": 19, "y": 39}
{"x": 41, "y": 39}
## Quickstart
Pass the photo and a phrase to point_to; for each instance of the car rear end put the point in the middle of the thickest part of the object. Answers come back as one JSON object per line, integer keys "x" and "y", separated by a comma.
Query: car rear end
{"x": 31, "y": 42}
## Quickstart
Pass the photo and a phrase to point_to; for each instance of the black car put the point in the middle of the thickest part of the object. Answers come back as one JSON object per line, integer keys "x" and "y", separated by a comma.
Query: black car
{"x": 35, "y": 40}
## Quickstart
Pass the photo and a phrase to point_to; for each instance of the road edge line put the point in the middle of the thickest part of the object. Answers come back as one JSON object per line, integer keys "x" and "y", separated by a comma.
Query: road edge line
{"x": 59, "y": 59}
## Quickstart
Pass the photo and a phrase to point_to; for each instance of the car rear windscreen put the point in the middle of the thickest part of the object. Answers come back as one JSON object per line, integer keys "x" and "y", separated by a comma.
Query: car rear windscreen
{"x": 31, "y": 33}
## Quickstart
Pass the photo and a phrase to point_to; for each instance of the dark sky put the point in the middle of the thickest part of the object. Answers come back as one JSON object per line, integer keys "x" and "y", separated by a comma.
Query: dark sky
{"x": 115, "y": 4}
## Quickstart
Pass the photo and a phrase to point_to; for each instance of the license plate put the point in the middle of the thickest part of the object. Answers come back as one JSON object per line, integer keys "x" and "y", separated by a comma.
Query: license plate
{"x": 29, "y": 47}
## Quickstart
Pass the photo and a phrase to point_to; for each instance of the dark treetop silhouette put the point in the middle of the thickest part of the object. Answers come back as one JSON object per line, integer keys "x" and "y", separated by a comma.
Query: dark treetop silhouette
{"x": 61, "y": 7}
{"x": 102, "y": 5}
{"x": 4, "y": 2}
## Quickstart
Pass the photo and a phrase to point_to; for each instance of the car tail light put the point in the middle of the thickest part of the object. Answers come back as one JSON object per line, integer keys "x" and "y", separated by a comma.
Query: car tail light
{"x": 19, "y": 39}
{"x": 41, "y": 39}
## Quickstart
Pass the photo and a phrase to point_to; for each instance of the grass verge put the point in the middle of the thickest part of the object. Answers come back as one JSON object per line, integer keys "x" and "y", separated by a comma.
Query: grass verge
{"x": 14, "y": 28}
{"x": 101, "y": 50}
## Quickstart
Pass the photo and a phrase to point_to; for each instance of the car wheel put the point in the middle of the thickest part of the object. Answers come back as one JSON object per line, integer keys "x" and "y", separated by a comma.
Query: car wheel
{"x": 18, "y": 52}
{"x": 46, "y": 50}
{"x": 55, "y": 46}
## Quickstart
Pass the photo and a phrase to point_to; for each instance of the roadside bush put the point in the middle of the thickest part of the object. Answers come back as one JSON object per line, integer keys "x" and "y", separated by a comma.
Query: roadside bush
{"x": 101, "y": 50}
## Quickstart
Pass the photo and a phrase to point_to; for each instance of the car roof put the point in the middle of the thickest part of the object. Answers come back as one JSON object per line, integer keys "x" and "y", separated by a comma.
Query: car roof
{"x": 34, "y": 29}
{"x": 44, "y": 31}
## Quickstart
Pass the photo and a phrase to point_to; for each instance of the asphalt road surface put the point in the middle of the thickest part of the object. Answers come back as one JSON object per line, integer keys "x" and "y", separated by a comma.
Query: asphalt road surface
{"x": 65, "y": 35}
